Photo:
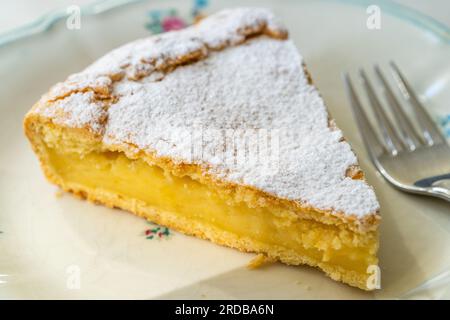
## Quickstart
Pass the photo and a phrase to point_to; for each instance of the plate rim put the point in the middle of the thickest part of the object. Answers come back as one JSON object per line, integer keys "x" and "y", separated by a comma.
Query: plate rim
{"x": 45, "y": 22}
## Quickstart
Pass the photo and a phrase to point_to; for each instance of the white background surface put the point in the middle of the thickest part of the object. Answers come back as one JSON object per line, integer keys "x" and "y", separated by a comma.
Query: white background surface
{"x": 18, "y": 12}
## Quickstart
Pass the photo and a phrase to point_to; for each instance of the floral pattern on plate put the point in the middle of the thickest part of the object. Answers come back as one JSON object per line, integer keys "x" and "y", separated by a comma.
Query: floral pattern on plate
{"x": 157, "y": 232}
{"x": 171, "y": 19}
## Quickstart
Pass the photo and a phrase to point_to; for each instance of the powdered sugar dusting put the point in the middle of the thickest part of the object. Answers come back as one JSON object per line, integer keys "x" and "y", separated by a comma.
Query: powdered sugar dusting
{"x": 231, "y": 26}
{"x": 143, "y": 57}
{"x": 259, "y": 84}
{"x": 79, "y": 110}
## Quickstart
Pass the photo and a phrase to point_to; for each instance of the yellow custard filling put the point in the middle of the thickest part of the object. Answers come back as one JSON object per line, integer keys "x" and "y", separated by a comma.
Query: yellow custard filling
{"x": 277, "y": 227}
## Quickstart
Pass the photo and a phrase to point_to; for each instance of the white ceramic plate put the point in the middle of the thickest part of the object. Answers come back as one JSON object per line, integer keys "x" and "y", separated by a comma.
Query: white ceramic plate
{"x": 62, "y": 247}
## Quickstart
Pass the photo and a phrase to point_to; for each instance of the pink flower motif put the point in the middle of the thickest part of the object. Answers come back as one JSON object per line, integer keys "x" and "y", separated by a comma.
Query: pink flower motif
{"x": 172, "y": 23}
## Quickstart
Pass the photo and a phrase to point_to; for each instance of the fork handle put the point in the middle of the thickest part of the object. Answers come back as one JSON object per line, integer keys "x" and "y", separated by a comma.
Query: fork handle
{"x": 442, "y": 191}
{"x": 438, "y": 186}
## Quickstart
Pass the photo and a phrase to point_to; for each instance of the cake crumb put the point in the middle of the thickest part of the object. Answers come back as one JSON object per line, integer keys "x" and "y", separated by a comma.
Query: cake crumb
{"x": 259, "y": 261}
{"x": 307, "y": 287}
{"x": 59, "y": 193}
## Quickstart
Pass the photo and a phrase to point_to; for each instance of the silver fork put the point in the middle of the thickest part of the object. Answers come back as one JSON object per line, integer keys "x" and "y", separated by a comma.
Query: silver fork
{"x": 416, "y": 161}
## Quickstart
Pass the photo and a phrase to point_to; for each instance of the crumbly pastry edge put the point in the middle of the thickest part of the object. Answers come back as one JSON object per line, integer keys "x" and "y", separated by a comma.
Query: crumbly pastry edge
{"x": 99, "y": 81}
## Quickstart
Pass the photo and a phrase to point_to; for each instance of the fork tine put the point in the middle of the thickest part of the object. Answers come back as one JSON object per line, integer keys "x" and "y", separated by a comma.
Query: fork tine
{"x": 371, "y": 141}
{"x": 407, "y": 130}
{"x": 430, "y": 131}
{"x": 390, "y": 136}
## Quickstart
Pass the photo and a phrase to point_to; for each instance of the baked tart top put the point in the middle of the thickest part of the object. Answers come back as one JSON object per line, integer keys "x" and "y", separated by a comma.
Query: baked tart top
{"x": 213, "y": 95}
